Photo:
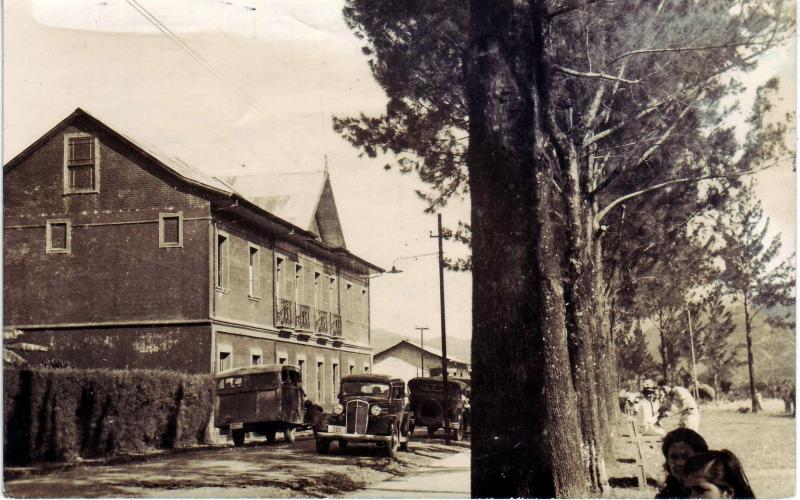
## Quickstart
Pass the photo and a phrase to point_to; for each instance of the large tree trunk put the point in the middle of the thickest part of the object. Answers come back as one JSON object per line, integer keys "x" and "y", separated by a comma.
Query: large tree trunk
{"x": 605, "y": 353}
{"x": 526, "y": 439}
{"x": 580, "y": 325}
{"x": 749, "y": 336}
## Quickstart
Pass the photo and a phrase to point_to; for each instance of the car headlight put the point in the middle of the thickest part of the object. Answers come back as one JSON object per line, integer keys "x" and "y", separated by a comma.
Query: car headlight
{"x": 338, "y": 409}
{"x": 375, "y": 410}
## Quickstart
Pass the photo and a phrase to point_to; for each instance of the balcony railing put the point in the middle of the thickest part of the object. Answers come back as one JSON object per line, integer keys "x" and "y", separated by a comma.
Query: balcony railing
{"x": 303, "y": 317}
{"x": 336, "y": 325}
{"x": 284, "y": 314}
{"x": 321, "y": 323}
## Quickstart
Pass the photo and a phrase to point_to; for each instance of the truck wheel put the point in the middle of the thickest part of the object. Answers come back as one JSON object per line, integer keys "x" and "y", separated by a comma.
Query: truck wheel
{"x": 238, "y": 437}
{"x": 391, "y": 446}
{"x": 459, "y": 434}
{"x": 289, "y": 434}
{"x": 323, "y": 446}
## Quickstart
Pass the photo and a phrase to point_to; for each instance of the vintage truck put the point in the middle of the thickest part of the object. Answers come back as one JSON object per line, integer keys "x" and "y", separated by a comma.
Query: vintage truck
{"x": 428, "y": 405}
{"x": 371, "y": 409}
{"x": 265, "y": 399}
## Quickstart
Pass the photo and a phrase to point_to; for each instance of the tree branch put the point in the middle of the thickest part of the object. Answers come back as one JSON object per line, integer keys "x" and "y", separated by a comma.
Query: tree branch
{"x": 661, "y": 185}
{"x": 687, "y": 49}
{"x": 646, "y": 155}
{"x": 591, "y": 74}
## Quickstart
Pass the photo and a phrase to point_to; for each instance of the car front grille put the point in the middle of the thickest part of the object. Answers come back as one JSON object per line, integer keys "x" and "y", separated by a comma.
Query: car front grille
{"x": 357, "y": 414}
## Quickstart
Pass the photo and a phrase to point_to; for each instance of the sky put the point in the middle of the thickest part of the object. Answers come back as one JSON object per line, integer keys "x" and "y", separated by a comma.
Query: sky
{"x": 253, "y": 90}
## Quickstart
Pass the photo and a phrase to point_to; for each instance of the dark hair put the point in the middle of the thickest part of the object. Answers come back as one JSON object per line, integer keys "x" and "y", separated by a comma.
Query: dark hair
{"x": 683, "y": 435}
{"x": 672, "y": 486}
{"x": 723, "y": 470}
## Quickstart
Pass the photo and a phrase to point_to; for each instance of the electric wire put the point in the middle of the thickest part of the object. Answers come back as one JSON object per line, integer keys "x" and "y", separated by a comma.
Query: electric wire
{"x": 199, "y": 59}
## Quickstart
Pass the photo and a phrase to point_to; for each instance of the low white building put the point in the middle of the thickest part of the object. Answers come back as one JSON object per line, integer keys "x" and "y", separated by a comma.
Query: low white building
{"x": 407, "y": 360}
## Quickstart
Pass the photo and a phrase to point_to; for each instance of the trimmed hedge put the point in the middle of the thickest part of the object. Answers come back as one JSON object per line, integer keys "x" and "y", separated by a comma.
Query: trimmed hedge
{"x": 61, "y": 414}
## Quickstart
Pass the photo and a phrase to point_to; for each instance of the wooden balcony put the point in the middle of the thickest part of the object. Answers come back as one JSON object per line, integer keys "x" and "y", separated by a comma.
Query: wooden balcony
{"x": 303, "y": 317}
{"x": 336, "y": 325}
{"x": 321, "y": 323}
{"x": 285, "y": 314}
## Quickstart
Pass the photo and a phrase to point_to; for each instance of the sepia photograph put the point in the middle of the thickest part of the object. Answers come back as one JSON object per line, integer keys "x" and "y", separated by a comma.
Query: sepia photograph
{"x": 399, "y": 249}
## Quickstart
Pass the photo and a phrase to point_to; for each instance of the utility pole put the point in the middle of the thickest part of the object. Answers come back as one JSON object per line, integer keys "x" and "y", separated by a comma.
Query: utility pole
{"x": 444, "y": 335}
{"x": 421, "y": 350}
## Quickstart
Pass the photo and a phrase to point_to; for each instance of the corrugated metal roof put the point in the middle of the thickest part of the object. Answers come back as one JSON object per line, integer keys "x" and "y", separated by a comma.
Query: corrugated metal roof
{"x": 291, "y": 196}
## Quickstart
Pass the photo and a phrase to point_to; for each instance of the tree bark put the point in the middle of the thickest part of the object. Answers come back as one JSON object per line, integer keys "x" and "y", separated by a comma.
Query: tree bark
{"x": 605, "y": 350}
{"x": 526, "y": 434}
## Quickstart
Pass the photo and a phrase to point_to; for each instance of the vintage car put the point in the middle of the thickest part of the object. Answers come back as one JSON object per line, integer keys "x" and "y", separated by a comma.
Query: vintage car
{"x": 265, "y": 399}
{"x": 371, "y": 409}
{"x": 428, "y": 407}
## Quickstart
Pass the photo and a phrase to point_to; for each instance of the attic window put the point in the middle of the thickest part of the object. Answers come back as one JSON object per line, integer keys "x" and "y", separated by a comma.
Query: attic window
{"x": 80, "y": 164}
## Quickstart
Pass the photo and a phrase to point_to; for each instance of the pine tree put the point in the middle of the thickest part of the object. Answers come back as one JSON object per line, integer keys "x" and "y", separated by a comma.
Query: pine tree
{"x": 752, "y": 274}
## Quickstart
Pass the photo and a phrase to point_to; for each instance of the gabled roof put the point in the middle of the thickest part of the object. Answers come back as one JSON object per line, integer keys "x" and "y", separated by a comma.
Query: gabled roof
{"x": 170, "y": 163}
{"x": 429, "y": 350}
{"x": 297, "y": 211}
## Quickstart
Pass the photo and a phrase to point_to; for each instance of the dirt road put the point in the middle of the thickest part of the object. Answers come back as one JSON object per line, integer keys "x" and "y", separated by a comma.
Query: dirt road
{"x": 257, "y": 470}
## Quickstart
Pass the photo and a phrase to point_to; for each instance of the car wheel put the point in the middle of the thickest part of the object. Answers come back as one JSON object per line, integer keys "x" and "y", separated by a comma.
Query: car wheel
{"x": 459, "y": 434}
{"x": 323, "y": 446}
{"x": 391, "y": 446}
{"x": 431, "y": 430}
{"x": 238, "y": 437}
{"x": 270, "y": 434}
{"x": 289, "y": 434}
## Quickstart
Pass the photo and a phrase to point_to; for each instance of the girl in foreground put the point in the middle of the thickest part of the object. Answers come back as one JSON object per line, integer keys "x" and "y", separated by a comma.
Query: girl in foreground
{"x": 678, "y": 446}
{"x": 716, "y": 474}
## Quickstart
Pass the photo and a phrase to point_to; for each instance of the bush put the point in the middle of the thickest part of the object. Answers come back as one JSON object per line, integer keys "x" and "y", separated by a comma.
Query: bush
{"x": 60, "y": 414}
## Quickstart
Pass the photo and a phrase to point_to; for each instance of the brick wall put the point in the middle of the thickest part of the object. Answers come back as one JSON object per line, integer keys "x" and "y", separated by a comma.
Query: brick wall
{"x": 115, "y": 270}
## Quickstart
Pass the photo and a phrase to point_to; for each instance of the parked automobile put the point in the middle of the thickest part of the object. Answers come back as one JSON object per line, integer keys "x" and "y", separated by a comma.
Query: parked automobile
{"x": 265, "y": 399}
{"x": 371, "y": 409}
{"x": 428, "y": 405}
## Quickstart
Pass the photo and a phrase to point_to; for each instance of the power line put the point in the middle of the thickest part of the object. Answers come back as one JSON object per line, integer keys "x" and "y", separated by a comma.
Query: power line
{"x": 198, "y": 58}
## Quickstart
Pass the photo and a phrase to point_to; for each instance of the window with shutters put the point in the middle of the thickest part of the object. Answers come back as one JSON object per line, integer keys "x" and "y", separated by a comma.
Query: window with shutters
{"x": 58, "y": 236}
{"x": 170, "y": 230}
{"x": 81, "y": 165}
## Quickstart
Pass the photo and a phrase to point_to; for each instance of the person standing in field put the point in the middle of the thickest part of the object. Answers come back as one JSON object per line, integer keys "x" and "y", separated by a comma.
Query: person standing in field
{"x": 685, "y": 405}
{"x": 648, "y": 410}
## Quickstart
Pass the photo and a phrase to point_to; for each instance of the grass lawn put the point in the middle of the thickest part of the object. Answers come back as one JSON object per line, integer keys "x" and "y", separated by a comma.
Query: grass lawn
{"x": 765, "y": 443}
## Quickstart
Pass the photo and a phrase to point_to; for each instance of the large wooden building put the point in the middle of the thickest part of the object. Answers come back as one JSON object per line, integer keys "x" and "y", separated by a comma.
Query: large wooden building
{"x": 117, "y": 255}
